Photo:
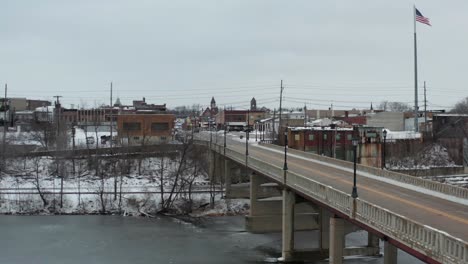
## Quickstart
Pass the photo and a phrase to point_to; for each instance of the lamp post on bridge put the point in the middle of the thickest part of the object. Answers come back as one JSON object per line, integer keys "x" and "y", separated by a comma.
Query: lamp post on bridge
{"x": 285, "y": 167}
{"x": 225, "y": 132}
{"x": 256, "y": 128}
{"x": 211, "y": 133}
{"x": 384, "y": 146}
{"x": 263, "y": 131}
{"x": 355, "y": 143}
{"x": 247, "y": 132}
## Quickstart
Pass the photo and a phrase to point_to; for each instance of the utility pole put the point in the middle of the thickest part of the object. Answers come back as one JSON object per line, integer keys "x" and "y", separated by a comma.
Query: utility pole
{"x": 425, "y": 109}
{"x": 111, "y": 120}
{"x": 5, "y": 126}
{"x": 305, "y": 115}
{"x": 280, "y": 109}
{"x": 73, "y": 147}
{"x": 273, "y": 124}
{"x": 58, "y": 142}
{"x": 111, "y": 117}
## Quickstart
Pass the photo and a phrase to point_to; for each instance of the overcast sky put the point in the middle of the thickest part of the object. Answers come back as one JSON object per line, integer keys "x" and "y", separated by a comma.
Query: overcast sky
{"x": 349, "y": 53}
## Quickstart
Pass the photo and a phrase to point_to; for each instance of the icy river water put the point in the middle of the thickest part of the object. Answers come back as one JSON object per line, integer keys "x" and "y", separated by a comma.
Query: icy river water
{"x": 116, "y": 239}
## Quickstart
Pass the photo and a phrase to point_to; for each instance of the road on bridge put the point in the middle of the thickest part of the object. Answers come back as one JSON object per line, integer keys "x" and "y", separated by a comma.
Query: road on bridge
{"x": 439, "y": 213}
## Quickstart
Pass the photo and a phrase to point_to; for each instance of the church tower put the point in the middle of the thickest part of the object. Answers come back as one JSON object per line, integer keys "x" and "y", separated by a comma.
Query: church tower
{"x": 213, "y": 103}
{"x": 253, "y": 104}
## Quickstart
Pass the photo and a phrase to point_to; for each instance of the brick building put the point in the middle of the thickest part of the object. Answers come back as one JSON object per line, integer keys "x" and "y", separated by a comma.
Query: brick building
{"x": 137, "y": 129}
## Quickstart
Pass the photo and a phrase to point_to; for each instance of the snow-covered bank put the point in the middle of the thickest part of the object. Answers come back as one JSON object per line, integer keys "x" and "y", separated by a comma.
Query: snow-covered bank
{"x": 128, "y": 186}
{"x": 134, "y": 196}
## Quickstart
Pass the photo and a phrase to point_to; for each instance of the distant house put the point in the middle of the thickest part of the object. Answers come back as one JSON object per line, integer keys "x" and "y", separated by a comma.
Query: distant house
{"x": 451, "y": 131}
{"x": 237, "y": 119}
{"x": 395, "y": 121}
{"x": 208, "y": 115}
{"x": 143, "y": 106}
{"x": 32, "y": 105}
{"x": 337, "y": 142}
{"x": 136, "y": 129}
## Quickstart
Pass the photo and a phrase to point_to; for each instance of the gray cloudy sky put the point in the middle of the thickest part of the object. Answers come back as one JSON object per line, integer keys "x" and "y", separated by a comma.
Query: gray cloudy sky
{"x": 349, "y": 53}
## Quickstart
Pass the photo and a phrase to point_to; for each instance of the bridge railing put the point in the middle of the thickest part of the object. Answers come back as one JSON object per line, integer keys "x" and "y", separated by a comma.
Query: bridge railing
{"x": 400, "y": 177}
{"x": 267, "y": 169}
{"x": 336, "y": 199}
{"x": 425, "y": 239}
{"x": 434, "y": 243}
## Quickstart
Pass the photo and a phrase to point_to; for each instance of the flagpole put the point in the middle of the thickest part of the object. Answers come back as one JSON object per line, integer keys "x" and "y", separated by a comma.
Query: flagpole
{"x": 415, "y": 74}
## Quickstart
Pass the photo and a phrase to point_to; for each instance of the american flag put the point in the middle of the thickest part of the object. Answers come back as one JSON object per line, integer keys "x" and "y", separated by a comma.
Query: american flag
{"x": 421, "y": 19}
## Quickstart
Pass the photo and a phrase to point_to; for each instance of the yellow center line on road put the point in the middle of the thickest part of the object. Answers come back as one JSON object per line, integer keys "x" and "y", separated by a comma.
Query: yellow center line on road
{"x": 435, "y": 211}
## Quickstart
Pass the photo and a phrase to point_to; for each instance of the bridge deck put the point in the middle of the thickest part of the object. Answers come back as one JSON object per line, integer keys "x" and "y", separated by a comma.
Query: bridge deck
{"x": 439, "y": 213}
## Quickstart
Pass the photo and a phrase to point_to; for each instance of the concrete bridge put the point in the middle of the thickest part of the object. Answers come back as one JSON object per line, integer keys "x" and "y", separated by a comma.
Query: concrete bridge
{"x": 429, "y": 220}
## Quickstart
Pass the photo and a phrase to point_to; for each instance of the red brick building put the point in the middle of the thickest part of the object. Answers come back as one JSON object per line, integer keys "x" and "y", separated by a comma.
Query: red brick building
{"x": 136, "y": 129}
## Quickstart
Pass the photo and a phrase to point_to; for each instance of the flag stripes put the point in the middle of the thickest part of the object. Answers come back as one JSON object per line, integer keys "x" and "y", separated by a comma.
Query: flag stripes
{"x": 422, "y": 19}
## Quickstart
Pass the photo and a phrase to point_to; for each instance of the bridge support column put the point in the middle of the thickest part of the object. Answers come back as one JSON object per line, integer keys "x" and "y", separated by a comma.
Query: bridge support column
{"x": 219, "y": 170}
{"x": 390, "y": 253}
{"x": 372, "y": 240}
{"x": 227, "y": 177}
{"x": 211, "y": 165}
{"x": 289, "y": 200}
{"x": 254, "y": 187}
{"x": 324, "y": 222}
{"x": 337, "y": 240}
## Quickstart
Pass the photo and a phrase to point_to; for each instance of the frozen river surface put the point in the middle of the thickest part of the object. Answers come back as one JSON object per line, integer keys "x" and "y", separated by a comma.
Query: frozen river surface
{"x": 116, "y": 239}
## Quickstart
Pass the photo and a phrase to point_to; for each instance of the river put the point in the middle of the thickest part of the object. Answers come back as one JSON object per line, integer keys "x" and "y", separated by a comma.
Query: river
{"x": 117, "y": 239}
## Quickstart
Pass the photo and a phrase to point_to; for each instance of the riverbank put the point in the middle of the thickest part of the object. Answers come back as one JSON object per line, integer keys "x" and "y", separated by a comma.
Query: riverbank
{"x": 134, "y": 196}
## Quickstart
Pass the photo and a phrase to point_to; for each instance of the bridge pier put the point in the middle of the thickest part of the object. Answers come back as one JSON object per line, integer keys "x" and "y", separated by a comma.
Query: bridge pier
{"x": 337, "y": 240}
{"x": 324, "y": 223}
{"x": 254, "y": 186}
{"x": 372, "y": 240}
{"x": 211, "y": 165}
{"x": 227, "y": 177}
{"x": 289, "y": 200}
{"x": 390, "y": 253}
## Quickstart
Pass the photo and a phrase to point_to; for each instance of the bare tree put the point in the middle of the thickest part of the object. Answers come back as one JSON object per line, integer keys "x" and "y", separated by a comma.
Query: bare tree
{"x": 461, "y": 107}
{"x": 43, "y": 133}
{"x": 37, "y": 181}
{"x": 394, "y": 106}
{"x": 161, "y": 171}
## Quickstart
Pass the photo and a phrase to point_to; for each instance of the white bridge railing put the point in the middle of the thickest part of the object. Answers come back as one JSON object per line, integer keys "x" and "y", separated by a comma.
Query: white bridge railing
{"x": 431, "y": 242}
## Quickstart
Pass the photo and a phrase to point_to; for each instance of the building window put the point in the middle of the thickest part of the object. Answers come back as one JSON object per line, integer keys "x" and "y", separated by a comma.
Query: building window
{"x": 296, "y": 137}
{"x": 163, "y": 138}
{"x": 338, "y": 136}
{"x": 350, "y": 137}
{"x": 159, "y": 126}
{"x": 325, "y": 136}
{"x": 136, "y": 138}
{"x": 131, "y": 126}
{"x": 311, "y": 137}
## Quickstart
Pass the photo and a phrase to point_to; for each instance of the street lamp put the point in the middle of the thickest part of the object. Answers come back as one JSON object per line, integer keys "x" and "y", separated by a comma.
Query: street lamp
{"x": 247, "y": 140}
{"x": 247, "y": 132}
{"x": 226, "y": 128}
{"x": 256, "y": 128}
{"x": 211, "y": 132}
{"x": 285, "y": 167}
{"x": 355, "y": 143}
{"x": 384, "y": 145}
{"x": 263, "y": 131}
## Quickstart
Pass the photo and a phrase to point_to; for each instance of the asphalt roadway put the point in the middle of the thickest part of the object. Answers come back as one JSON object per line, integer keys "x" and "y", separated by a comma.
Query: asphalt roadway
{"x": 444, "y": 215}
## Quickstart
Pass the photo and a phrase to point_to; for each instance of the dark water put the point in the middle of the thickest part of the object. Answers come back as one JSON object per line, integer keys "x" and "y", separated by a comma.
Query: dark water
{"x": 115, "y": 239}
